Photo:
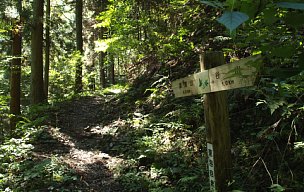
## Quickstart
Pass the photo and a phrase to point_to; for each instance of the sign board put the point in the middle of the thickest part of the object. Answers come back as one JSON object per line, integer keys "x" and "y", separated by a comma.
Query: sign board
{"x": 202, "y": 82}
{"x": 234, "y": 75}
{"x": 241, "y": 73}
{"x": 192, "y": 85}
{"x": 184, "y": 87}
{"x": 211, "y": 166}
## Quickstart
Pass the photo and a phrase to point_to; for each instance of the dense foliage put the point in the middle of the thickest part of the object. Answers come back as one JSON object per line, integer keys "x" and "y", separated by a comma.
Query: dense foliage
{"x": 143, "y": 46}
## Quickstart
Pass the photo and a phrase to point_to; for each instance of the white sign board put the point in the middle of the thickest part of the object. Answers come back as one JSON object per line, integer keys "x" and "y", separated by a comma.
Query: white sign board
{"x": 184, "y": 87}
{"x": 234, "y": 75}
{"x": 211, "y": 166}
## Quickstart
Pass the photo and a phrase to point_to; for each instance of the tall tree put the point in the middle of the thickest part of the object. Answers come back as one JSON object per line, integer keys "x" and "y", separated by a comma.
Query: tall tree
{"x": 102, "y": 55}
{"x": 111, "y": 69}
{"x": 102, "y": 74}
{"x": 37, "y": 90}
{"x": 47, "y": 49}
{"x": 15, "y": 77}
{"x": 79, "y": 46}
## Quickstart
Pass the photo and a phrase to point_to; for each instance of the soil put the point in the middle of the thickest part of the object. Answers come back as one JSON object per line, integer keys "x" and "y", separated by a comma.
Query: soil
{"x": 81, "y": 134}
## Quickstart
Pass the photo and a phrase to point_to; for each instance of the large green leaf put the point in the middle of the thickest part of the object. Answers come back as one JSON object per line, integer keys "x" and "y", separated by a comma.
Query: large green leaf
{"x": 291, "y": 5}
{"x": 232, "y": 19}
{"x": 294, "y": 19}
{"x": 249, "y": 8}
{"x": 215, "y": 4}
{"x": 269, "y": 16}
{"x": 285, "y": 51}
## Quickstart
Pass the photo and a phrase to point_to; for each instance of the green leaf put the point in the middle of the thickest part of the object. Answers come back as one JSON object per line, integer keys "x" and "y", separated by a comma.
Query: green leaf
{"x": 283, "y": 51}
{"x": 277, "y": 188}
{"x": 285, "y": 73}
{"x": 294, "y": 19}
{"x": 270, "y": 16}
{"x": 291, "y": 5}
{"x": 232, "y": 19}
{"x": 249, "y": 8}
{"x": 301, "y": 61}
{"x": 215, "y": 4}
{"x": 274, "y": 105}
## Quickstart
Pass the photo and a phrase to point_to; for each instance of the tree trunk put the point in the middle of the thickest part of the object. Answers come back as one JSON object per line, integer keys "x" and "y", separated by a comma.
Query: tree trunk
{"x": 111, "y": 69}
{"x": 47, "y": 49}
{"x": 15, "y": 77}
{"x": 102, "y": 74}
{"x": 79, "y": 46}
{"x": 118, "y": 67}
{"x": 37, "y": 90}
{"x": 91, "y": 73}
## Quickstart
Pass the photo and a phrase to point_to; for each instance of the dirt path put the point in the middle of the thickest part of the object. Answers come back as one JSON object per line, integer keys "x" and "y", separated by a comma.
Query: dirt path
{"x": 79, "y": 139}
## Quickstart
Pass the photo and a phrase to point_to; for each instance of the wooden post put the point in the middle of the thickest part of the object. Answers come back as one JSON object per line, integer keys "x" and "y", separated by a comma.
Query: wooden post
{"x": 218, "y": 131}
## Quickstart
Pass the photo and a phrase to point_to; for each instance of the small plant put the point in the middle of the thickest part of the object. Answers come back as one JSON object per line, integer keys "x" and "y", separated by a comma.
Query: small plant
{"x": 114, "y": 89}
{"x": 276, "y": 188}
{"x": 49, "y": 173}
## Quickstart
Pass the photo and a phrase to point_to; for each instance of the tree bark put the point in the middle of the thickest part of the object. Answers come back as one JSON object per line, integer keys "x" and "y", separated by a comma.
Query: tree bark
{"x": 79, "y": 46}
{"x": 91, "y": 74}
{"x": 37, "y": 90}
{"x": 102, "y": 74}
{"x": 111, "y": 70}
{"x": 47, "y": 49}
{"x": 15, "y": 77}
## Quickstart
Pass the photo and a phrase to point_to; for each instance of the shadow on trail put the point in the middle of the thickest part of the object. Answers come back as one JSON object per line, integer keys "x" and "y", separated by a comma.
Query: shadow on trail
{"x": 82, "y": 134}
{"x": 95, "y": 135}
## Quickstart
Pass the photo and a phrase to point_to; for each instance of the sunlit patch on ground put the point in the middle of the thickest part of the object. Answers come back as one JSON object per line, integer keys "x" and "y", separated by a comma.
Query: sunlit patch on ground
{"x": 80, "y": 159}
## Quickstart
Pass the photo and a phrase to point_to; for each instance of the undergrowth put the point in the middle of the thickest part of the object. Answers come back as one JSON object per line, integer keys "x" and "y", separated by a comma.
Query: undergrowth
{"x": 20, "y": 170}
{"x": 163, "y": 142}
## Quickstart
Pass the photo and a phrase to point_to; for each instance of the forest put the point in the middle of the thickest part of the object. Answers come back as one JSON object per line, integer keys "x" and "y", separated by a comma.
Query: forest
{"x": 88, "y": 98}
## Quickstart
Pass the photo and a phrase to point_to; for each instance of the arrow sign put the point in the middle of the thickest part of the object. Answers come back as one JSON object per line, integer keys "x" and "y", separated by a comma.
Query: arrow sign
{"x": 241, "y": 73}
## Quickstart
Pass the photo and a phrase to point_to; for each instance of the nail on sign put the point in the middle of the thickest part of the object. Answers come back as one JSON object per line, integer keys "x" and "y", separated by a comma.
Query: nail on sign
{"x": 241, "y": 73}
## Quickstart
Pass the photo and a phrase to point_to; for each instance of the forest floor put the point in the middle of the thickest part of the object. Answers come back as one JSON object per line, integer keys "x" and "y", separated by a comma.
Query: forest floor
{"x": 132, "y": 141}
{"x": 77, "y": 137}
{"x": 125, "y": 141}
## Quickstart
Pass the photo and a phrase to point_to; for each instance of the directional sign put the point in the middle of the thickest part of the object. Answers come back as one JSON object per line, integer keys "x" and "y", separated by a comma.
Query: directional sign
{"x": 241, "y": 73}
{"x": 234, "y": 75}
{"x": 202, "y": 79}
{"x": 192, "y": 85}
{"x": 184, "y": 87}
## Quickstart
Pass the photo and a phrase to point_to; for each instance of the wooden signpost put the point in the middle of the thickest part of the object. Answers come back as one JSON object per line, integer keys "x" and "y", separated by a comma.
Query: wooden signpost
{"x": 234, "y": 75}
{"x": 213, "y": 80}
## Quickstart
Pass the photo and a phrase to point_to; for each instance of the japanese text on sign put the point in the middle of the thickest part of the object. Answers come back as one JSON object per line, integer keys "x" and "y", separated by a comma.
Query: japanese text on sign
{"x": 184, "y": 86}
{"x": 211, "y": 166}
{"x": 238, "y": 74}
{"x": 192, "y": 85}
